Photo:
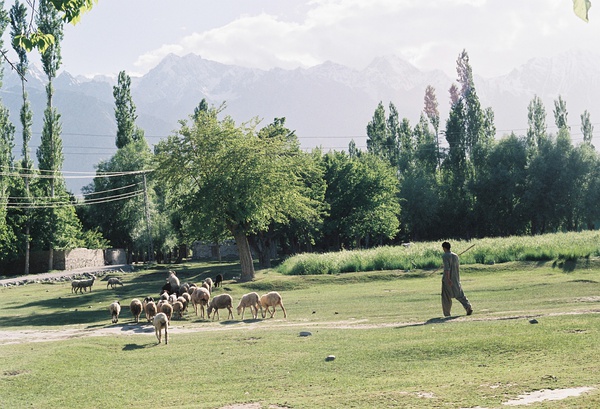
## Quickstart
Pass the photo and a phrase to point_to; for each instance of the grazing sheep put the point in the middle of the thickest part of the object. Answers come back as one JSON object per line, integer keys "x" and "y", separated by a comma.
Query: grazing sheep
{"x": 220, "y": 301}
{"x": 75, "y": 285}
{"x": 251, "y": 300}
{"x": 187, "y": 297}
{"x": 200, "y": 296}
{"x": 161, "y": 321}
{"x": 172, "y": 298}
{"x": 115, "y": 310}
{"x": 271, "y": 299}
{"x": 206, "y": 285}
{"x": 136, "y": 309}
{"x": 218, "y": 280}
{"x": 160, "y": 303}
{"x": 192, "y": 289}
{"x": 167, "y": 309}
{"x": 178, "y": 309}
{"x": 113, "y": 282}
{"x": 184, "y": 303}
{"x": 183, "y": 288}
{"x": 150, "y": 310}
{"x": 173, "y": 281}
{"x": 209, "y": 281}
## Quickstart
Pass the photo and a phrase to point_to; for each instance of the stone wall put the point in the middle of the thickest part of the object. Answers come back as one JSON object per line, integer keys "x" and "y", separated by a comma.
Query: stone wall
{"x": 78, "y": 258}
{"x": 202, "y": 251}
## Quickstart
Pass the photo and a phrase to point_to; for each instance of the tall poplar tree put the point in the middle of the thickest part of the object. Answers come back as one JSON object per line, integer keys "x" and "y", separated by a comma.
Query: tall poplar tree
{"x": 18, "y": 21}
{"x": 125, "y": 112}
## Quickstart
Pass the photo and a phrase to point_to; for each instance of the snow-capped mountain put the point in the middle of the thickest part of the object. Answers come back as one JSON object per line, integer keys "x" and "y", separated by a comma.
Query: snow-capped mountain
{"x": 327, "y": 105}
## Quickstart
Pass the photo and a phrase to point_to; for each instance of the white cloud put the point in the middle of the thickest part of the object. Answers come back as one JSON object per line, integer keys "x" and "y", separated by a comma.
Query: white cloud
{"x": 497, "y": 35}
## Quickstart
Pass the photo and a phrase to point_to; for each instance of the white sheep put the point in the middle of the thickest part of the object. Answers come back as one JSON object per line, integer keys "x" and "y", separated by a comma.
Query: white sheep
{"x": 82, "y": 285}
{"x": 200, "y": 296}
{"x": 161, "y": 321}
{"x": 172, "y": 298}
{"x": 113, "y": 282}
{"x": 250, "y": 300}
{"x": 271, "y": 299}
{"x": 164, "y": 295}
{"x": 136, "y": 309}
{"x": 218, "y": 302}
{"x": 75, "y": 285}
{"x": 115, "y": 310}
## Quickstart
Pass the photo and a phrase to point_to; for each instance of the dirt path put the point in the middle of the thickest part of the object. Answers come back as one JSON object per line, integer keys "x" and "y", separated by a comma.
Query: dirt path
{"x": 181, "y": 327}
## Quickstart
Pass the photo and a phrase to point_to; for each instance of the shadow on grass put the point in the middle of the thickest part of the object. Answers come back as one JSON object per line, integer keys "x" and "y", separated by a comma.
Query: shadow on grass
{"x": 134, "y": 347}
{"x": 437, "y": 320}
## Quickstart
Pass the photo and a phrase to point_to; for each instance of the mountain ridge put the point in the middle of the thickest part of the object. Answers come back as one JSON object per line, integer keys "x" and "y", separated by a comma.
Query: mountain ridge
{"x": 328, "y": 105}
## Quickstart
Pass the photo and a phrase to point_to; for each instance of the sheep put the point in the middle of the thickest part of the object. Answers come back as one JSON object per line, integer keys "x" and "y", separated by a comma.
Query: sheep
{"x": 164, "y": 295}
{"x": 75, "y": 285}
{"x": 178, "y": 309}
{"x": 251, "y": 300}
{"x": 84, "y": 284}
{"x": 183, "y": 288}
{"x": 113, "y": 282}
{"x": 136, "y": 309}
{"x": 172, "y": 298}
{"x": 220, "y": 301}
{"x": 271, "y": 299}
{"x": 192, "y": 288}
{"x": 206, "y": 285}
{"x": 150, "y": 310}
{"x": 167, "y": 309}
{"x": 209, "y": 281}
{"x": 200, "y": 296}
{"x": 218, "y": 280}
{"x": 184, "y": 303}
{"x": 161, "y": 321}
{"x": 173, "y": 281}
{"x": 187, "y": 297}
{"x": 115, "y": 310}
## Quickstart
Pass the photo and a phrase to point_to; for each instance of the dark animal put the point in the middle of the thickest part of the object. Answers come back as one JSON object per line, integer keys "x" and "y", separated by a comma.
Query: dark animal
{"x": 218, "y": 281}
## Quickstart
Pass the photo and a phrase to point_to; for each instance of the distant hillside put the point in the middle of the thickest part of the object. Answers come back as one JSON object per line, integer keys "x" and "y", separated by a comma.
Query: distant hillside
{"x": 328, "y": 105}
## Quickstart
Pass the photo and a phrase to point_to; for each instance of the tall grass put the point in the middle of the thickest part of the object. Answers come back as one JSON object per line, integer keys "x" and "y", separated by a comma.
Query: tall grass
{"x": 426, "y": 255}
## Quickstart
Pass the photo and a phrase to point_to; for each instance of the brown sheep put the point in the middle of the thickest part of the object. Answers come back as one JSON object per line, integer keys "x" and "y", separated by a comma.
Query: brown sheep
{"x": 136, "y": 309}
{"x": 251, "y": 300}
{"x": 271, "y": 299}
{"x": 167, "y": 309}
{"x": 200, "y": 296}
{"x": 150, "y": 310}
{"x": 218, "y": 302}
{"x": 178, "y": 309}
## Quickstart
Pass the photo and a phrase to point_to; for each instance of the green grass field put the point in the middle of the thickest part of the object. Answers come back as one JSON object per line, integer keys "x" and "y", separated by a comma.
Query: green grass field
{"x": 391, "y": 346}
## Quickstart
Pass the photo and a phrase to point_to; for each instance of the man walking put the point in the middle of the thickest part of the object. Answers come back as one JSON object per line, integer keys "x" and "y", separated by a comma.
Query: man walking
{"x": 451, "y": 287}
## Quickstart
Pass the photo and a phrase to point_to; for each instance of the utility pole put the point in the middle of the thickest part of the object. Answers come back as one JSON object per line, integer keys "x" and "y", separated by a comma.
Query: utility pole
{"x": 148, "y": 229}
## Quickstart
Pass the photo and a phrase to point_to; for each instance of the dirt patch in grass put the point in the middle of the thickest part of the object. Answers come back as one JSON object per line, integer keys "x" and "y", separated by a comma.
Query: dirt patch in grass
{"x": 547, "y": 394}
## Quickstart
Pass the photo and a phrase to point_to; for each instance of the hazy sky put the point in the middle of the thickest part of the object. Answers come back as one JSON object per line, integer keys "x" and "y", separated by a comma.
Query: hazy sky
{"x": 499, "y": 35}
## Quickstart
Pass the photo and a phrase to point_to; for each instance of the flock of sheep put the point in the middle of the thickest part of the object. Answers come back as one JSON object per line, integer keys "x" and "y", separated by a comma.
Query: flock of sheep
{"x": 175, "y": 298}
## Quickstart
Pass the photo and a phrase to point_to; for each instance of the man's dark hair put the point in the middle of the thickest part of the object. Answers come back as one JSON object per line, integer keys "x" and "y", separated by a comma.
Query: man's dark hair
{"x": 446, "y": 245}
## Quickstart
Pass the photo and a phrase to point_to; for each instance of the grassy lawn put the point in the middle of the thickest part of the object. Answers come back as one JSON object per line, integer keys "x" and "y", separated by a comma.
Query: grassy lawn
{"x": 391, "y": 346}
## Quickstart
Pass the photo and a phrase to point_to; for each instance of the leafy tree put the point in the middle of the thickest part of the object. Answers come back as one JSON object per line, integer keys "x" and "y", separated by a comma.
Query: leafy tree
{"x": 18, "y": 16}
{"x": 536, "y": 129}
{"x": 587, "y": 128}
{"x": 560, "y": 113}
{"x": 226, "y": 177}
{"x": 127, "y": 131}
{"x": 362, "y": 197}
{"x": 433, "y": 114}
{"x": 499, "y": 209}
{"x": 378, "y": 134}
{"x": 118, "y": 191}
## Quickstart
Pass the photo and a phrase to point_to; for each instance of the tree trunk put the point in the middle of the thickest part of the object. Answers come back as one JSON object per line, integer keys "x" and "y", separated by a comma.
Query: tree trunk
{"x": 245, "y": 255}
